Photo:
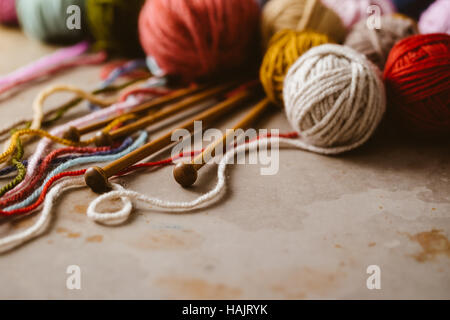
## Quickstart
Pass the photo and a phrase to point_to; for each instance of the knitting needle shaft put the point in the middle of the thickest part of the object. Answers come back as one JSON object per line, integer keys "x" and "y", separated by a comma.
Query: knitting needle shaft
{"x": 74, "y": 134}
{"x": 66, "y": 106}
{"x": 97, "y": 178}
{"x": 104, "y": 138}
{"x": 186, "y": 173}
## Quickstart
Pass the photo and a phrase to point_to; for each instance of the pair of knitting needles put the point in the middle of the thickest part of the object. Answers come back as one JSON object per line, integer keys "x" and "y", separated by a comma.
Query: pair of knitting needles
{"x": 97, "y": 178}
{"x": 186, "y": 173}
{"x": 191, "y": 96}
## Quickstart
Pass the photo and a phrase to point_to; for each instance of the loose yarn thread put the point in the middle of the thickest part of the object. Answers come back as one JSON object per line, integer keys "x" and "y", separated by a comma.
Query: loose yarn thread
{"x": 181, "y": 207}
{"x": 118, "y": 72}
{"x": 76, "y": 162}
{"x": 54, "y": 158}
{"x": 21, "y": 169}
{"x": 12, "y": 241}
{"x": 61, "y": 59}
{"x": 54, "y": 179}
{"x": 55, "y": 114}
{"x": 38, "y": 104}
{"x": 38, "y": 115}
{"x": 44, "y": 144}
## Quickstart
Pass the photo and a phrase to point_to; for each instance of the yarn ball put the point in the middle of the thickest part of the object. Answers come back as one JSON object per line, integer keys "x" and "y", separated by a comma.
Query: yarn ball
{"x": 412, "y": 8}
{"x": 301, "y": 15}
{"x": 377, "y": 43}
{"x": 352, "y": 11}
{"x": 46, "y": 20}
{"x": 114, "y": 26}
{"x": 417, "y": 76}
{"x": 262, "y": 3}
{"x": 8, "y": 14}
{"x": 334, "y": 98}
{"x": 285, "y": 47}
{"x": 199, "y": 38}
{"x": 436, "y": 19}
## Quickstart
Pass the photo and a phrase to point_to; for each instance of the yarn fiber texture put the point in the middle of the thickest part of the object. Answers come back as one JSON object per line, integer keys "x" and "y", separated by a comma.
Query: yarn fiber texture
{"x": 334, "y": 98}
{"x": 377, "y": 43}
{"x": 417, "y": 77}
{"x": 262, "y": 3}
{"x": 199, "y": 38}
{"x": 46, "y": 20}
{"x": 301, "y": 15}
{"x": 436, "y": 19}
{"x": 8, "y": 14}
{"x": 113, "y": 24}
{"x": 285, "y": 47}
{"x": 412, "y": 8}
{"x": 352, "y": 11}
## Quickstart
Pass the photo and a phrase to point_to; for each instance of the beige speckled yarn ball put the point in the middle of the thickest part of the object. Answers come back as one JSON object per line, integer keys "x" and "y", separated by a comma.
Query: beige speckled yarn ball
{"x": 334, "y": 98}
{"x": 301, "y": 15}
{"x": 377, "y": 43}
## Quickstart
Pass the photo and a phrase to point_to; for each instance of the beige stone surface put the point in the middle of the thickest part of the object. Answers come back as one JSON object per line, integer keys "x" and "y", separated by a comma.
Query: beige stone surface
{"x": 310, "y": 231}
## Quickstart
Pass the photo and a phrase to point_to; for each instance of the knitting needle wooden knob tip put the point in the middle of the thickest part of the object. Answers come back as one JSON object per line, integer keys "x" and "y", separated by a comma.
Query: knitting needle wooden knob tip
{"x": 72, "y": 134}
{"x": 97, "y": 180}
{"x": 103, "y": 139}
{"x": 185, "y": 174}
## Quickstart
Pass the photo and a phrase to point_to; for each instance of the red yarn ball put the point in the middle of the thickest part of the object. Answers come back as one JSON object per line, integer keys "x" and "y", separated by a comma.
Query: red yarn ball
{"x": 8, "y": 14}
{"x": 199, "y": 38}
{"x": 417, "y": 76}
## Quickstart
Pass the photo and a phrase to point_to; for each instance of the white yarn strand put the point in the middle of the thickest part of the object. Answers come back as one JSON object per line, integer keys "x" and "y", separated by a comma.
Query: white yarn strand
{"x": 126, "y": 196}
{"x": 185, "y": 206}
{"x": 10, "y": 242}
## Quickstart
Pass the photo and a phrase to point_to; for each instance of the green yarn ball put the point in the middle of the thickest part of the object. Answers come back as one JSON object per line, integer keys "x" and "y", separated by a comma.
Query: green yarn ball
{"x": 46, "y": 20}
{"x": 114, "y": 25}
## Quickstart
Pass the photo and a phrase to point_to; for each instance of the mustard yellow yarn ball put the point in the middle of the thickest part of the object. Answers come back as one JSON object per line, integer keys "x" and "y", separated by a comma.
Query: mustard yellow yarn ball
{"x": 285, "y": 47}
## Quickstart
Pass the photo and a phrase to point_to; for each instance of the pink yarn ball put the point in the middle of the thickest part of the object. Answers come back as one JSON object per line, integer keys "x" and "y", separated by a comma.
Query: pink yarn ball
{"x": 436, "y": 19}
{"x": 351, "y": 11}
{"x": 8, "y": 13}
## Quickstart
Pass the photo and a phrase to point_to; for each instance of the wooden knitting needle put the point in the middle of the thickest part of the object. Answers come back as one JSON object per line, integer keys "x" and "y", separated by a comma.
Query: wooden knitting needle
{"x": 106, "y": 138}
{"x": 97, "y": 178}
{"x": 186, "y": 173}
{"x": 74, "y": 134}
{"x": 54, "y": 114}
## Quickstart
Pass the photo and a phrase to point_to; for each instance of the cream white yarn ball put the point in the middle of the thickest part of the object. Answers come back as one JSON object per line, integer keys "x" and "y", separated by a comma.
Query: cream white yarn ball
{"x": 334, "y": 98}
